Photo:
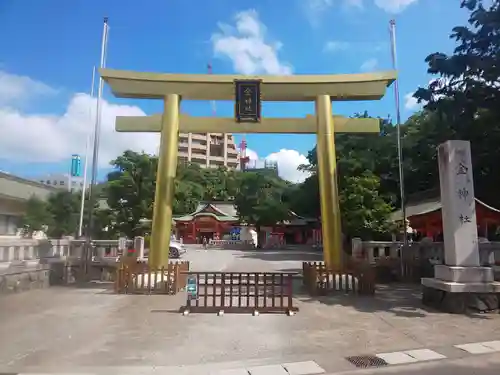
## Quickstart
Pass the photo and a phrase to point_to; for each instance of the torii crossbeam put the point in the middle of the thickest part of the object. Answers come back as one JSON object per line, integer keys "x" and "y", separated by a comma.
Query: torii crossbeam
{"x": 323, "y": 89}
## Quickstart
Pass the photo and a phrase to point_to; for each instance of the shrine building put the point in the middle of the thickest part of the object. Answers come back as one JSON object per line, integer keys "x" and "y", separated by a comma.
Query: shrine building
{"x": 423, "y": 212}
{"x": 218, "y": 219}
{"x": 210, "y": 219}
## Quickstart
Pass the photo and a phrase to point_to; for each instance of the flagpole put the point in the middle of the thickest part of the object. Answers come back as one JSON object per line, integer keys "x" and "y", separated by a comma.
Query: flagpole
{"x": 392, "y": 24}
{"x": 95, "y": 154}
{"x": 86, "y": 160}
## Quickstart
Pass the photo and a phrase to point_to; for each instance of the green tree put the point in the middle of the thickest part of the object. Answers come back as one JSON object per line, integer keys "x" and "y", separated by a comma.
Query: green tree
{"x": 463, "y": 102}
{"x": 64, "y": 207}
{"x": 37, "y": 216}
{"x": 130, "y": 191}
{"x": 364, "y": 211}
{"x": 470, "y": 76}
{"x": 187, "y": 196}
{"x": 365, "y": 198}
{"x": 259, "y": 200}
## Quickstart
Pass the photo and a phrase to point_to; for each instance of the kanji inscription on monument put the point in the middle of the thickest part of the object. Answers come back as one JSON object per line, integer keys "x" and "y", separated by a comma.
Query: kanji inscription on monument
{"x": 458, "y": 204}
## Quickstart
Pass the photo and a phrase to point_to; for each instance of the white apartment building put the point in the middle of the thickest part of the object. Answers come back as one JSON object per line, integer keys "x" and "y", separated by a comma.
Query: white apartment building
{"x": 61, "y": 181}
{"x": 209, "y": 150}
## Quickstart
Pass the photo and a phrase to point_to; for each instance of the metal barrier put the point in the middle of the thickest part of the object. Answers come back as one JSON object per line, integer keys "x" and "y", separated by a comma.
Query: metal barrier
{"x": 139, "y": 278}
{"x": 239, "y": 292}
{"x": 354, "y": 279}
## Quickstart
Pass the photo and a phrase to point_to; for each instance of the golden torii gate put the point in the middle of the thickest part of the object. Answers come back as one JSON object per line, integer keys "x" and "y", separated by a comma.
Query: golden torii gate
{"x": 247, "y": 91}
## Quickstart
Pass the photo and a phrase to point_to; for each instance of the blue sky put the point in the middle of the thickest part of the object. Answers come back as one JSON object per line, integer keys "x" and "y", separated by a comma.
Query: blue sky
{"x": 51, "y": 46}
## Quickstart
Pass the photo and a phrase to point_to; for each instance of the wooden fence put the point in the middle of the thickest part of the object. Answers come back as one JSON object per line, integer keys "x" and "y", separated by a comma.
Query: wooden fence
{"x": 139, "y": 278}
{"x": 354, "y": 279}
{"x": 240, "y": 292}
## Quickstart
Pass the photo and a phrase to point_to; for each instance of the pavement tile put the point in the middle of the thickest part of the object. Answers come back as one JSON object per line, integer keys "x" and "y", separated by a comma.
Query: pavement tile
{"x": 424, "y": 354}
{"x": 233, "y": 371}
{"x": 303, "y": 368}
{"x": 492, "y": 344}
{"x": 396, "y": 358}
{"x": 475, "y": 348}
{"x": 267, "y": 370}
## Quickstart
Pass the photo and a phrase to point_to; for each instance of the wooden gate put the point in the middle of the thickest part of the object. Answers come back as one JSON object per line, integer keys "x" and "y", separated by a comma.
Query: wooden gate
{"x": 139, "y": 278}
{"x": 355, "y": 279}
{"x": 241, "y": 292}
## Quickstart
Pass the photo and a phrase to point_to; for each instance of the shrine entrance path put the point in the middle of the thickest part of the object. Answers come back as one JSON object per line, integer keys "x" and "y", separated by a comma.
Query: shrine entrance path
{"x": 63, "y": 328}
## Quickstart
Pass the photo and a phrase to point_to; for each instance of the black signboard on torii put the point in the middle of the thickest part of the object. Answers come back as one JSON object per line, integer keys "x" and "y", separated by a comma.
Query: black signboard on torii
{"x": 247, "y": 106}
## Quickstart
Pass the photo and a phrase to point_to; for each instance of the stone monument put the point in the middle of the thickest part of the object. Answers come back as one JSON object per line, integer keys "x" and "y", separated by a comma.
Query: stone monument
{"x": 461, "y": 283}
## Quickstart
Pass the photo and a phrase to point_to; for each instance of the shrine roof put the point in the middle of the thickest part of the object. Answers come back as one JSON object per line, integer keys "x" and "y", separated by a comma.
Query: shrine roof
{"x": 220, "y": 210}
{"x": 429, "y": 206}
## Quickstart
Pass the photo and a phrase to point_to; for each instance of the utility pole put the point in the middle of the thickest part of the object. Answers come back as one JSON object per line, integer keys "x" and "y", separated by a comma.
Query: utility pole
{"x": 87, "y": 258}
{"x": 392, "y": 24}
{"x": 86, "y": 160}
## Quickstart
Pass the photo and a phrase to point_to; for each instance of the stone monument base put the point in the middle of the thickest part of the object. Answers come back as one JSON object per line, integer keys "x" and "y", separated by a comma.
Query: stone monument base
{"x": 461, "y": 298}
{"x": 459, "y": 290}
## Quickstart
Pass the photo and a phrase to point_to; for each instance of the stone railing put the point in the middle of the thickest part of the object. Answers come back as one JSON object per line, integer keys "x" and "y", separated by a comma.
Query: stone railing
{"x": 17, "y": 250}
{"x": 372, "y": 251}
{"x": 37, "y": 263}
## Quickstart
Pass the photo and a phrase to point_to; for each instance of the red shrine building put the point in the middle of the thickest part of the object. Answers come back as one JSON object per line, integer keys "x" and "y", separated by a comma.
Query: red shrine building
{"x": 209, "y": 220}
{"x": 216, "y": 219}
{"x": 423, "y": 212}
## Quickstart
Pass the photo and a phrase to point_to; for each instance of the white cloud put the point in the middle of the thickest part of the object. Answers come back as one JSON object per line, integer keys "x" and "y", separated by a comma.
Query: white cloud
{"x": 315, "y": 10}
{"x": 319, "y": 5}
{"x": 246, "y": 46}
{"x": 252, "y": 154}
{"x": 394, "y": 6}
{"x": 411, "y": 103}
{"x": 51, "y": 138}
{"x": 15, "y": 89}
{"x": 288, "y": 162}
{"x": 357, "y": 47}
{"x": 369, "y": 65}
{"x": 354, "y": 3}
{"x": 41, "y": 138}
{"x": 336, "y": 45}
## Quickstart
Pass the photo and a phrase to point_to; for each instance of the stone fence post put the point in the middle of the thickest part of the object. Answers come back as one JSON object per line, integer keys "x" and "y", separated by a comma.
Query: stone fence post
{"x": 139, "y": 247}
{"x": 357, "y": 248}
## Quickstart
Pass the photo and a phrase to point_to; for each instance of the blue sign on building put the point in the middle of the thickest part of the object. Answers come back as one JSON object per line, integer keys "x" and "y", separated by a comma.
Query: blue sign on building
{"x": 76, "y": 166}
{"x": 235, "y": 233}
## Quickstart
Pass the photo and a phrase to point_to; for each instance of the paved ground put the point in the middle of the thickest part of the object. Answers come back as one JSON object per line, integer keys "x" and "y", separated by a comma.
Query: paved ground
{"x": 478, "y": 365}
{"x": 91, "y": 329}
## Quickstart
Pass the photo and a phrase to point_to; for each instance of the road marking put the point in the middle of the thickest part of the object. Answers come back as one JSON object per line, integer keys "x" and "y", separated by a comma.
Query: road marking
{"x": 396, "y": 358}
{"x": 424, "y": 354}
{"x": 492, "y": 344}
{"x": 475, "y": 348}
{"x": 303, "y": 368}
{"x": 234, "y": 371}
{"x": 267, "y": 370}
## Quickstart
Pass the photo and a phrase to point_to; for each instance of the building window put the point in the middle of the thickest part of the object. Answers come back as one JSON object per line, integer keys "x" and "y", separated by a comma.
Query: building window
{"x": 47, "y": 182}
{"x": 61, "y": 183}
